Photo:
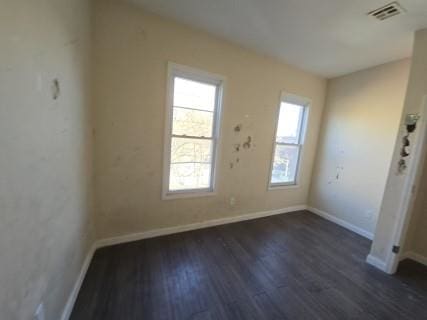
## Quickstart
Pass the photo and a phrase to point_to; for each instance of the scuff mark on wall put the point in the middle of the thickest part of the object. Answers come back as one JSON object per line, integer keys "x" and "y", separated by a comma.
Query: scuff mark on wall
{"x": 141, "y": 31}
{"x": 56, "y": 89}
{"x": 71, "y": 42}
{"x": 117, "y": 161}
{"x": 339, "y": 170}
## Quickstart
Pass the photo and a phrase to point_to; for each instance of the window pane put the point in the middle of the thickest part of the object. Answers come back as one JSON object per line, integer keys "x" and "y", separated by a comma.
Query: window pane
{"x": 192, "y": 122}
{"x": 192, "y": 94}
{"x": 289, "y": 125}
{"x": 184, "y": 176}
{"x": 285, "y": 164}
{"x": 191, "y": 150}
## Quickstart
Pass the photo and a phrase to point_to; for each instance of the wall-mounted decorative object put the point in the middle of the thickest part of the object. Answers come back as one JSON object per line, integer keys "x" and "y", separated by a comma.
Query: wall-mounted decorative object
{"x": 411, "y": 125}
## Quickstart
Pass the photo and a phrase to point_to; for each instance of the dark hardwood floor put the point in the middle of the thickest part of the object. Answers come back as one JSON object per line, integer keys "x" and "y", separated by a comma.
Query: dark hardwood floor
{"x": 290, "y": 266}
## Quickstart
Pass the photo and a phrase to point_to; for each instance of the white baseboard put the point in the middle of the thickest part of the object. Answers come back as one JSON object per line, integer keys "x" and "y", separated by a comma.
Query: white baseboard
{"x": 342, "y": 223}
{"x": 155, "y": 233}
{"x": 199, "y": 225}
{"x": 193, "y": 226}
{"x": 414, "y": 256}
{"x": 66, "y": 313}
{"x": 377, "y": 262}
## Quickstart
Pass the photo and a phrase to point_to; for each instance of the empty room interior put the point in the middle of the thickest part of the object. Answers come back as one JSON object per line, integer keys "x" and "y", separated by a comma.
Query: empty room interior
{"x": 197, "y": 159}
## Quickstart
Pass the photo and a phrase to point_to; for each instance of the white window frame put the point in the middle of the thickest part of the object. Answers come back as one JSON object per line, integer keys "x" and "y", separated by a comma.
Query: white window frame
{"x": 305, "y": 103}
{"x": 178, "y": 70}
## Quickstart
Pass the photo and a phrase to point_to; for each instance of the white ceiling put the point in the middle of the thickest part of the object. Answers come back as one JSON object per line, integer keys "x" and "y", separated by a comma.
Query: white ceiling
{"x": 326, "y": 37}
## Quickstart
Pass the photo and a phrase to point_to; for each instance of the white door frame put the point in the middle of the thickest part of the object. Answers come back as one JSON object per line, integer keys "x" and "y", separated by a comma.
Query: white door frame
{"x": 410, "y": 189}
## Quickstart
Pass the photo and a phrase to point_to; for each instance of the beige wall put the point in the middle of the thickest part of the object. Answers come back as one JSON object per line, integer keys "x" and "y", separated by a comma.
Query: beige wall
{"x": 417, "y": 88}
{"x": 46, "y": 221}
{"x": 45, "y": 157}
{"x": 359, "y": 128}
{"x": 132, "y": 50}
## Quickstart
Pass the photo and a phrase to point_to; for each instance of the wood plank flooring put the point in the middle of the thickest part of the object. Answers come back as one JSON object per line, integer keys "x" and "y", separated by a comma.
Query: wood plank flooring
{"x": 289, "y": 266}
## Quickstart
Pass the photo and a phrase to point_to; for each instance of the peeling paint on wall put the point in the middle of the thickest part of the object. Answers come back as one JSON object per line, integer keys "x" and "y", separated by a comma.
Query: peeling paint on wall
{"x": 244, "y": 145}
{"x": 247, "y": 143}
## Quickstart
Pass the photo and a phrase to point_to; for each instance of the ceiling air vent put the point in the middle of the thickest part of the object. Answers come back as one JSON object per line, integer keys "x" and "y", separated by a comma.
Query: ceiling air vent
{"x": 387, "y": 11}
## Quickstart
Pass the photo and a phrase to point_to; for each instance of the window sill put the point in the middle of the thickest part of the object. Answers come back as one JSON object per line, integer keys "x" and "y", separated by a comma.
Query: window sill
{"x": 283, "y": 187}
{"x": 184, "y": 195}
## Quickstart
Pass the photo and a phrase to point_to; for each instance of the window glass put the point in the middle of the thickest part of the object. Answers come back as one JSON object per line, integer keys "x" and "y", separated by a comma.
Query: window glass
{"x": 188, "y": 122}
{"x": 288, "y": 144}
{"x": 285, "y": 164}
{"x": 290, "y": 118}
{"x": 193, "y": 94}
{"x": 193, "y": 132}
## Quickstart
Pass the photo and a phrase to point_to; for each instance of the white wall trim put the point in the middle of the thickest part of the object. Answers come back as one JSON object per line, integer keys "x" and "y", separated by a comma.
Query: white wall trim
{"x": 193, "y": 226}
{"x": 66, "y": 313}
{"x": 377, "y": 262}
{"x": 342, "y": 223}
{"x": 414, "y": 256}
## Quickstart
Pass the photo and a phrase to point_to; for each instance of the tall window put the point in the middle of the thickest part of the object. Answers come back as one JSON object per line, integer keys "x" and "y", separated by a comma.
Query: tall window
{"x": 193, "y": 112}
{"x": 289, "y": 141}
